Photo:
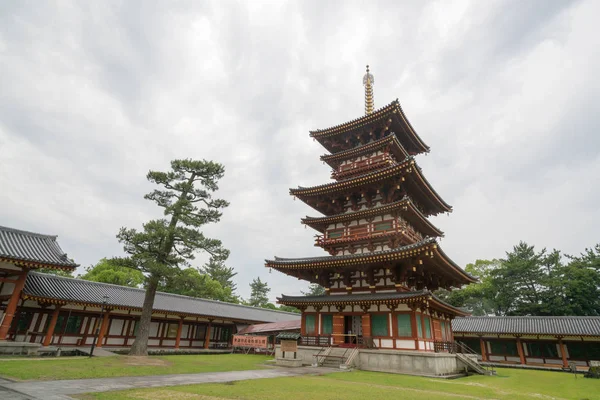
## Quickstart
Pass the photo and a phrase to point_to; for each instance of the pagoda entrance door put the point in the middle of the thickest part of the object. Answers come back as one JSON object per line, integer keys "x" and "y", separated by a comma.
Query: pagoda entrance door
{"x": 352, "y": 328}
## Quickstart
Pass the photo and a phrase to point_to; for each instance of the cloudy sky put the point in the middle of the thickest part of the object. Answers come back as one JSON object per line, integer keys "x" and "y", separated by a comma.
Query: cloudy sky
{"x": 95, "y": 94}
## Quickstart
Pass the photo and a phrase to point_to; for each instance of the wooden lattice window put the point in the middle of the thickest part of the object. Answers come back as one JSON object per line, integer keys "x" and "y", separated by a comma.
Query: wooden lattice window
{"x": 309, "y": 324}
{"x": 379, "y": 325}
{"x": 404, "y": 325}
{"x": 419, "y": 326}
{"x": 335, "y": 234}
{"x": 383, "y": 226}
{"x": 427, "y": 327}
{"x": 327, "y": 324}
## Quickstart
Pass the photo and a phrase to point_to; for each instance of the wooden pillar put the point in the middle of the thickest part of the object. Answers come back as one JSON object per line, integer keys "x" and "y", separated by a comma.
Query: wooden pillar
{"x": 51, "y": 326}
{"x": 483, "y": 349}
{"x": 415, "y": 328}
{"x": 520, "y": 350}
{"x": 207, "y": 338}
{"x": 365, "y": 321}
{"x": 179, "y": 328}
{"x": 563, "y": 353}
{"x": 338, "y": 329}
{"x": 303, "y": 324}
{"x": 103, "y": 328}
{"x": 9, "y": 313}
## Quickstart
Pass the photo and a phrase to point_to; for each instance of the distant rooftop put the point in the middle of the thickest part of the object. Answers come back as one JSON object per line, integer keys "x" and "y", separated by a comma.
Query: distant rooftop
{"x": 32, "y": 249}
{"x": 79, "y": 291}
{"x": 550, "y": 325}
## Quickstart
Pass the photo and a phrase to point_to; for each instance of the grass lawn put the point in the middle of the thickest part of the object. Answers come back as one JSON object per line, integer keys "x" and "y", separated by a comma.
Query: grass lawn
{"x": 359, "y": 385}
{"x": 103, "y": 367}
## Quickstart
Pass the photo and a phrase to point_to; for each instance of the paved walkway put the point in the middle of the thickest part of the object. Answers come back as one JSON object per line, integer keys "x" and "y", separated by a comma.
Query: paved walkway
{"x": 60, "y": 390}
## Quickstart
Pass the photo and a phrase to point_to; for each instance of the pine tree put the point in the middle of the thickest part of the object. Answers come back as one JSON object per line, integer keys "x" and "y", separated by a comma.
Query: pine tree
{"x": 217, "y": 270}
{"x": 259, "y": 293}
{"x": 165, "y": 245}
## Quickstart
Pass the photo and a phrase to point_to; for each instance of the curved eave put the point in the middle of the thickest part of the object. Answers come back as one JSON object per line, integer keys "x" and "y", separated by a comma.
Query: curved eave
{"x": 335, "y": 159}
{"x": 423, "y": 296}
{"x": 352, "y": 182}
{"x": 37, "y": 265}
{"x": 447, "y": 307}
{"x": 340, "y": 261}
{"x": 321, "y": 224}
{"x": 452, "y": 265}
{"x": 445, "y": 207}
{"x": 425, "y": 249}
{"x": 366, "y": 299}
{"x": 392, "y": 109}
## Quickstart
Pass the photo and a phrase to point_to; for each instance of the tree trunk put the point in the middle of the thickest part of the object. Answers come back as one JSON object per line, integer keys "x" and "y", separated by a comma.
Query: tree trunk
{"x": 140, "y": 344}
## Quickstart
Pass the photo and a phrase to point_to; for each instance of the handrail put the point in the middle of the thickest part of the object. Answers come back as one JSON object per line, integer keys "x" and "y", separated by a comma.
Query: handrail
{"x": 364, "y": 233}
{"x": 362, "y": 165}
{"x": 463, "y": 346}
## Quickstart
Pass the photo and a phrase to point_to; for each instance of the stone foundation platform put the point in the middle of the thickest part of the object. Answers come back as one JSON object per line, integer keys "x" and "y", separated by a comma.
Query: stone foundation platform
{"x": 21, "y": 348}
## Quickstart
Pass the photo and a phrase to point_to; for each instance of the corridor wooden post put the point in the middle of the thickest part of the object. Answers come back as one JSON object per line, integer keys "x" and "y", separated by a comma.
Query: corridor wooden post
{"x": 51, "y": 326}
{"x": 11, "y": 308}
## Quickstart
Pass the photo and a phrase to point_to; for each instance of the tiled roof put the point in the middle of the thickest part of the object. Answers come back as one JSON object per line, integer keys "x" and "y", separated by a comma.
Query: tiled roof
{"x": 351, "y": 298}
{"x": 353, "y": 257}
{"x": 34, "y": 248}
{"x": 354, "y": 181}
{"x": 273, "y": 327}
{"x": 323, "y": 222}
{"x": 78, "y": 291}
{"x": 370, "y": 298}
{"x": 393, "y": 109}
{"x": 577, "y": 326}
{"x": 369, "y": 147}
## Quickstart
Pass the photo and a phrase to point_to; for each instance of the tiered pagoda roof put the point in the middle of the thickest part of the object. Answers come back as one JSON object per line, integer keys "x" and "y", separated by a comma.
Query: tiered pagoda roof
{"x": 405, "y": 207}
{"x": 390, "y": 118}
{"x": 375, "y": 224}
{"x": 367, "y": 299}
{"x": 407, "y": 173}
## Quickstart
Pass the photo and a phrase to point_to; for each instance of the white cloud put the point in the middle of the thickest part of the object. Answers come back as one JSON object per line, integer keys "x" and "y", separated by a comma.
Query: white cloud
{"x": 95, "y": 95}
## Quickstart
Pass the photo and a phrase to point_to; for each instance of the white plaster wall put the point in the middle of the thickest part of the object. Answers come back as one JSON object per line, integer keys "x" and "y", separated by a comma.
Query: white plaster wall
{"x": 154, "y": 329}
{"x": 115, "y": 342}
{"x": 168, "y": 342}
{"x": 69, "y": 340}
{"x": 387, "y": 343}
{"x": 116, "y": 326}
{"x": 405, "y": 344}
{"x": 7, "y": 288}
{"x": 153, "y": 342}
{"x": 184, "y": 330}
{"x": 197, "y": 343}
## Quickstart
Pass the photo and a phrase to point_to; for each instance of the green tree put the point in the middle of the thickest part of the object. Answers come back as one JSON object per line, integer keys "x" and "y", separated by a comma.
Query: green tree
{"x": 520, "y": 284}
{"x": 314, "y": 289}
{"x": 259, "y": 294}
{"x": 108, "y": 272}
{"x": 164, "y": 245}
{"x": 579, "y": 284}
{"x": 190, "y": 282}
{"x": 57, "y": 272}
{"x": 217, "y": 270}
{"x": 477, "y": 298}
{"x": 289, "y": 309}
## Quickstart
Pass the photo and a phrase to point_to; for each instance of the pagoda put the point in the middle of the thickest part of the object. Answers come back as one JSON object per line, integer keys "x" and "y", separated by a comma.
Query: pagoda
{"x": 384, "y": 259}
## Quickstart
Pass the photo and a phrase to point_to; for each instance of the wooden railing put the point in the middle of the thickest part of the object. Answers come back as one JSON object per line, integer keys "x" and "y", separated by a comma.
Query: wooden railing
{"x": 367, "y": 231}
{"x": 361, "y": 166}
{"x": 321, "y": 341}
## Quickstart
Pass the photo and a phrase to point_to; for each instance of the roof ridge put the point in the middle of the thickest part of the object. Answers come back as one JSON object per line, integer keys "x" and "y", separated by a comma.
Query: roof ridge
{"x": 375, "y": 253}
{"x": 356, "y": 177}
{"x": 51, "y": 276}
{"x": 317, "y": 131}
{"x": 532, "y": 316}
{"x": 29, "y": 233}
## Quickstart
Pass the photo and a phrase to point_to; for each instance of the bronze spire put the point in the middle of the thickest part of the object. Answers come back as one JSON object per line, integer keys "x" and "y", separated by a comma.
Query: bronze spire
{"x": 368, "y": 81}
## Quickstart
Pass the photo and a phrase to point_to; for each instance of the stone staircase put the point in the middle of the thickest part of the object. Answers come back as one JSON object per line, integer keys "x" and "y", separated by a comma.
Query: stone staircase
{"x": 473, "y": 365}
{"x": 336, "y": 357}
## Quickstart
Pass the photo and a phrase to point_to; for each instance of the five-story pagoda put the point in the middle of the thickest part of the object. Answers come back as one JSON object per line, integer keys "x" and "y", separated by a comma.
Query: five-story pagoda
{"x": 384, "y": 260}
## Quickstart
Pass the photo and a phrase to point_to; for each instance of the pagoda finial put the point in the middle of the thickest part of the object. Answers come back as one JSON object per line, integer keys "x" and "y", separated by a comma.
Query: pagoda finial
{"x": 368, "y": 81}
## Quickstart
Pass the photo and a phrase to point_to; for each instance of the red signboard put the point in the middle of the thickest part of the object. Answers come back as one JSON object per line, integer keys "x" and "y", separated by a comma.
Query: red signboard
{"x": 260, "y": 342}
